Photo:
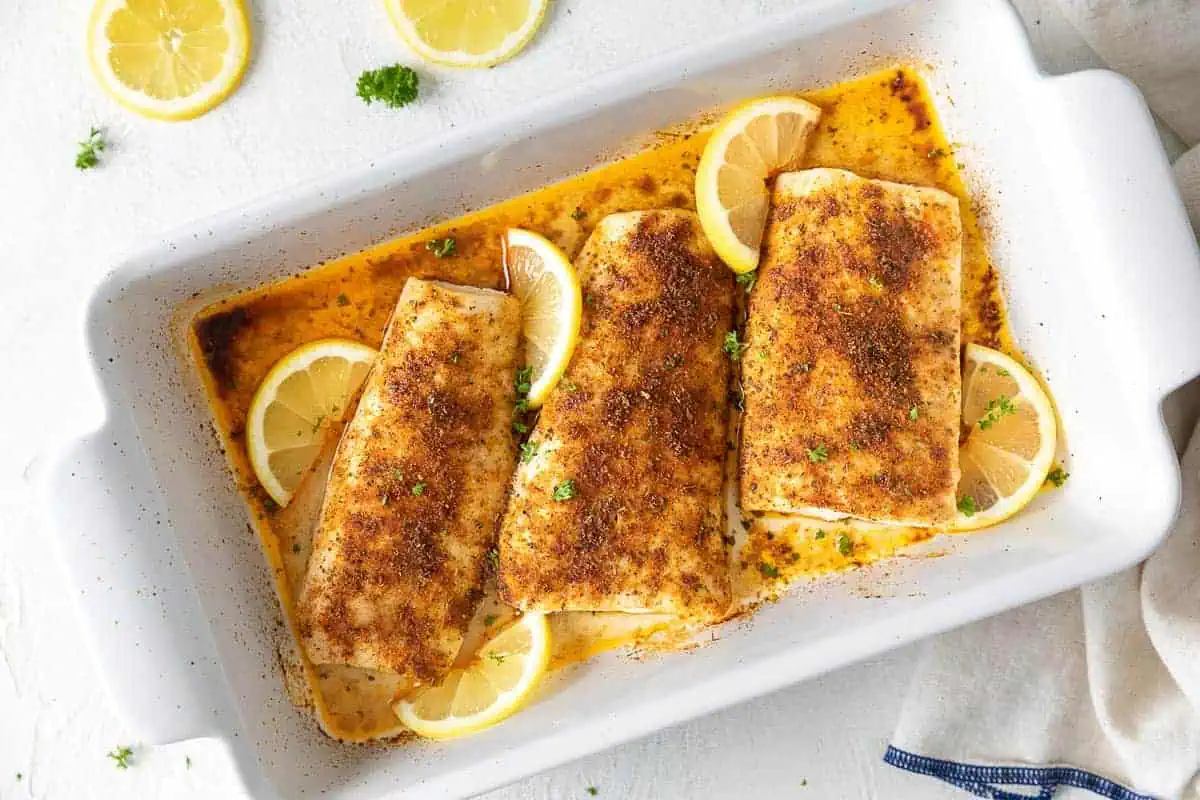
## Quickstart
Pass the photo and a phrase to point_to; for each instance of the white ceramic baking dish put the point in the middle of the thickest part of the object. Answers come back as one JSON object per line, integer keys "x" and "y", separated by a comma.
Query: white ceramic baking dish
{"x": 1103, "y": 283}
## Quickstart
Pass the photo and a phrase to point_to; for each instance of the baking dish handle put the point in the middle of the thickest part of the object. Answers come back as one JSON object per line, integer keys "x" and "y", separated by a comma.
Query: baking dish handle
{"x": 1123, "y": 176}
{"x": 136, "y": 607}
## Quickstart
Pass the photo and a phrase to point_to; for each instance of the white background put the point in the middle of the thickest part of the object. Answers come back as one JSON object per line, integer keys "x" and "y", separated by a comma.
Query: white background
{"x": 296, "y": 117}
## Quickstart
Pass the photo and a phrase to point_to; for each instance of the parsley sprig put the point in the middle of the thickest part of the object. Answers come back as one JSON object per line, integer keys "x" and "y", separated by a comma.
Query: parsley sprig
{"x": 90, "y": 150}
{"x": 395, "y": 86}
{"x": 747, "y": 280}
{"x": 122, "y": 756}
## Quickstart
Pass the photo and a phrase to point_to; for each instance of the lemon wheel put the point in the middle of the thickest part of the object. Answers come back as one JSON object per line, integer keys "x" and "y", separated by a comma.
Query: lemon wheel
{"x": 169, "y": 59}
{"x": 306, "y": 389}
{"x": 497, "y": 682}
{"x": 1009, "y": 436}
{"x": 467, "y": 33}
{"x": 542, "y": 278}
{"x": 753, "y": 143}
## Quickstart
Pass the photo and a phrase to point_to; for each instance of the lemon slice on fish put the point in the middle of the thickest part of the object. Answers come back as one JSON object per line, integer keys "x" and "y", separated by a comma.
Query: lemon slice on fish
{"x": 1008, "y": 440}
{"x": 306, "y": 388}
{"x": 756, "y": 141}
{"x": 169, "y": 59}
{"x": 499, "y": 680}
{"x": 542, "y": 278}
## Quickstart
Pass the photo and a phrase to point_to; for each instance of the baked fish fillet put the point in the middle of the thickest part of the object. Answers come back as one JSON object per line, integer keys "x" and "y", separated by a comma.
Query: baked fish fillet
{"x": 620, "y": 507}
{"x": 416, "y": 488}
{"x": 851, "y": 371}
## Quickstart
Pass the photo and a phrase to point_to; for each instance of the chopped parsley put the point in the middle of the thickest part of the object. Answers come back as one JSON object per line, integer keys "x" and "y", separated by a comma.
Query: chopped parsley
{"x": 395, "y": 86}
{"x": 1002, "y": 406}
{"x": 521, "y": 384}
{"x": 122, "y": 756}
{"x": 493, "y": 557}
{"x": 578, "y": 213}
{"x": 747, "y": 280}
{"x": 737, "y": 399}
{"x": 1002, "y": 373}
{"x": 821, "y": 534}
{"x": 398, "y": 474}
{"x": 936, "y": 152}
{"x": 295, "y": 547}
{"x": 768, "y": 570}
{"x": 673, "y": 361}
{"x": 913, "y": 413}
{"x": 528, "y": 451}
{"x": 418, "y": 488}
{"x": 592, "y": 790}
{"x": 90, "y": 149}
{"x": 19, "y": 777}
{"x": 489, "y": 620}
{"x": 455, "y": 356}
{"x": 844, "y": 545}
{"x": 1057, "y": 476}
{"x": 570, "y": 385}
{"x": 875, "y": 283}
{"x": 967, "y": 506}
{"x": 818, "y": 454}
{"x": 565, "y": 490}
{"x": 442, "y": 248}
{"x": 497, "y": 657}
{"x": 187, "y": 761}
{"x": 343, "y": 300}
{"x": 734, "y": 347}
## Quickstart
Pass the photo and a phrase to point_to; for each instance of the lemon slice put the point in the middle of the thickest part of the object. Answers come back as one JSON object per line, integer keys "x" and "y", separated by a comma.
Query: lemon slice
{"x": 541, "y": 277}
{"x": 169, "y": 59}
{"x": 1008, "y": 439}
{"x": 753, "y": 143}
{"x": 467, "y": 33}
{"x": 491, "y": 687}
{"x": 305, "y": 388}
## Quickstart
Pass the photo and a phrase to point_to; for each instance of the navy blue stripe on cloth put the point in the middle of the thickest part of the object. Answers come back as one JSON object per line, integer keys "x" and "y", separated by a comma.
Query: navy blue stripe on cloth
{"x": 983, "y": 781}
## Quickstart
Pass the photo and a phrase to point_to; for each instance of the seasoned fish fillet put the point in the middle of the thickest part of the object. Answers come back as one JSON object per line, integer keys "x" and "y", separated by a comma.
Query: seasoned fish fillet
{"x": 416, "y": 488}
{"x": 851, "y": 371}
{"x": 620, "y": 507}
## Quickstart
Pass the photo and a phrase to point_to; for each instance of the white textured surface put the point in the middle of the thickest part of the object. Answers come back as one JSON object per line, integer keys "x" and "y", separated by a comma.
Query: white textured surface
{"x": 295, "y": 118}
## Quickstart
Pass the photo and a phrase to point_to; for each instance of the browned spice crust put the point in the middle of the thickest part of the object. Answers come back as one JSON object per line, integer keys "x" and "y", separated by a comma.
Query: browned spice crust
{"x": 845, "y": 302}
{"x": 419, "y": 523}
{"x": 646, "y": 444}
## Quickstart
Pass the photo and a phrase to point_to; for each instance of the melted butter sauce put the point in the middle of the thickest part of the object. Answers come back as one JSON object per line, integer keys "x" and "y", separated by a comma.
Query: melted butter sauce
{"x": 880, "y": 126}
